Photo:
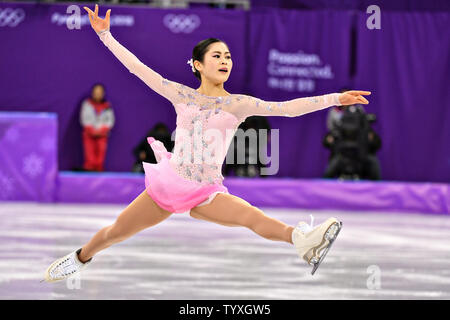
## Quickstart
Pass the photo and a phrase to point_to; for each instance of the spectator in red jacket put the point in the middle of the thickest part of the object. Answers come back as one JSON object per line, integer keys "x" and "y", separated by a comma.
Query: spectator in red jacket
{"x": 97, "y": 120}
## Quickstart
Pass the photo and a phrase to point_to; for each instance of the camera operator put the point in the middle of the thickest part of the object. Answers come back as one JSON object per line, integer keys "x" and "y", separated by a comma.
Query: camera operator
{"x": 353, "y": 144}
{"x": 144, "y": 153}
{"x": 252, "y": 165}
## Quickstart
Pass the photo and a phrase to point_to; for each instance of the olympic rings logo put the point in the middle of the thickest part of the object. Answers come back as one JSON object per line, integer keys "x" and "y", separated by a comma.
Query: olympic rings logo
{"x": 11, "y": 17}
{"x": 181, "y": 23}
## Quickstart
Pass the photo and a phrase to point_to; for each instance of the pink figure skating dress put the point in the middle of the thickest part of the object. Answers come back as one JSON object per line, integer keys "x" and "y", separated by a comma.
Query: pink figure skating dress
{"x": 191, "y": 175}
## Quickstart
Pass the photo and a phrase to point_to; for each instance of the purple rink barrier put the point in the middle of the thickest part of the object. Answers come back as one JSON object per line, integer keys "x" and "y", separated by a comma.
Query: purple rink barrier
{"x": 28, "y": 156}
{"x": 91, "y": 187}
{"x": 345, "y": 195}
{"x": 382, "y": 196}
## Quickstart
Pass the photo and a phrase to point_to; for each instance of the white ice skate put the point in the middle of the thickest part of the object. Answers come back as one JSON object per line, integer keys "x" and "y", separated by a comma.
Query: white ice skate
{"x": 64, "y": 267}
{"x": 312, "y": 244}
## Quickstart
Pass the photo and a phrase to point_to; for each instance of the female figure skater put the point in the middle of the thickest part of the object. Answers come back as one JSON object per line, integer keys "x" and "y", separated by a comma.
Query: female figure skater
{"x": 179, "y": 183}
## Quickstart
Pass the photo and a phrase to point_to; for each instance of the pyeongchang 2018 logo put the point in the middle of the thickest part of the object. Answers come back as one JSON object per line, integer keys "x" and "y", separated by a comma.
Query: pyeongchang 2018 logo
{"x": 181, "y": 23}
{"x": 11, "y": 17}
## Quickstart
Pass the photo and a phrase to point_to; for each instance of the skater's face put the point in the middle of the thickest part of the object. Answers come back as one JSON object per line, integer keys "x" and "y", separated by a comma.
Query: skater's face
{"x": 98, "y": 93}
{"x": 217, "y": 57}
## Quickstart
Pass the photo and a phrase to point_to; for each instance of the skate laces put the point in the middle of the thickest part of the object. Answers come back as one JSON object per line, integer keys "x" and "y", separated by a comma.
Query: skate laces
{"x": 66, "y": 266}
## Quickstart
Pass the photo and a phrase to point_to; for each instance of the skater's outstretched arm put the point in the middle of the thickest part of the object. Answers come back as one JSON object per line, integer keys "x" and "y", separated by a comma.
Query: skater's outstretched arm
{"x": 151, "y": 78}
{"x": 249, "y": 106}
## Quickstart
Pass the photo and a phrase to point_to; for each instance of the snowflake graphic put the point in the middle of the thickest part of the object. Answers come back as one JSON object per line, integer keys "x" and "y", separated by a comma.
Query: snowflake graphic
{"x": 6, "y": 186}
{"x": 33, "y": 165}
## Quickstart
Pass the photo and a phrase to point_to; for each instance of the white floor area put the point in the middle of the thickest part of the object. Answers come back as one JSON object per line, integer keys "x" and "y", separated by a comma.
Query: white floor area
{"x": 376, "y": 256}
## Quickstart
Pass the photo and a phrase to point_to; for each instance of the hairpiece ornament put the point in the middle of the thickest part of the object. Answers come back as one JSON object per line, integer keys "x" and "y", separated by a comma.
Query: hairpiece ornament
{"x": 192, "y": 65}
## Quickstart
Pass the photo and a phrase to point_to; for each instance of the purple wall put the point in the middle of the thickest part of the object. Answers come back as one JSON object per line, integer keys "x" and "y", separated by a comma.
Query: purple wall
{"x": 44, "y": 66}
{"x": 407, "y": 65}
{"x": 397, "y": 5}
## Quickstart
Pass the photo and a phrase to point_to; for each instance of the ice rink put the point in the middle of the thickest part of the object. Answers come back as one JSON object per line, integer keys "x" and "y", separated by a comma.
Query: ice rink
{"x": 376, "y": 256}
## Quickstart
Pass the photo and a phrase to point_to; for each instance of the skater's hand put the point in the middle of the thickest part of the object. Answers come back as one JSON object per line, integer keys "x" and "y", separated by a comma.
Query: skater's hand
{"x": 97, "y": 23}
{"x": 353, "y": 97}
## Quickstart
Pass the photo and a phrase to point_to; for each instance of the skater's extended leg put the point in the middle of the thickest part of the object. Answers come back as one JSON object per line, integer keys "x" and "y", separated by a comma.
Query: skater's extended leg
{"x": 312, "y": 244}
{"x": 140, "y": 214}
{"x": 229, "y": 210}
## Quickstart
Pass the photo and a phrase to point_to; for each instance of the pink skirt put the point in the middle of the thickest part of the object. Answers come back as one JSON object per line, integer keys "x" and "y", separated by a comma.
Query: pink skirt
{"x": 168, "y": 189}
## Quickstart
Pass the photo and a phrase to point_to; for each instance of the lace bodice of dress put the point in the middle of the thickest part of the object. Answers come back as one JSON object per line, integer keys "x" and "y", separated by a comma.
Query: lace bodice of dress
{"x": 205, "y": 124}
{"x": 205, "y": 128}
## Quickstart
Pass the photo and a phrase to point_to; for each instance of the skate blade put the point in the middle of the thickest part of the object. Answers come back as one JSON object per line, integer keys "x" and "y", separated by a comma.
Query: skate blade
{"x": 331, "y": 241}
{"x": 50, "y": 281}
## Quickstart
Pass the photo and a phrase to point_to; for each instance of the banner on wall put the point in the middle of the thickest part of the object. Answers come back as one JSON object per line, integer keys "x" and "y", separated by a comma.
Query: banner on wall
{"x": 296, "y": 71}
{"x": 410, "y": 95}
{"x": 297, "y": 53}
{"x": 75, "y": 17}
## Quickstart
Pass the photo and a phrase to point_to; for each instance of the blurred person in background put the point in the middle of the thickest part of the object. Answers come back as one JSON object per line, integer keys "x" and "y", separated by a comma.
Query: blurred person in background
{"x": 143, "y": 152}
{"x": 97, "y": 120}
{"x": 353, "y": 144}
{"x": 252, "y": 165}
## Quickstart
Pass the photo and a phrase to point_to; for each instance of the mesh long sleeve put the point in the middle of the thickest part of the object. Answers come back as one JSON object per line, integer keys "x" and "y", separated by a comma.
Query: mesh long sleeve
{"x": 151, "y": 78}
{"x": 251, "y": 106}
